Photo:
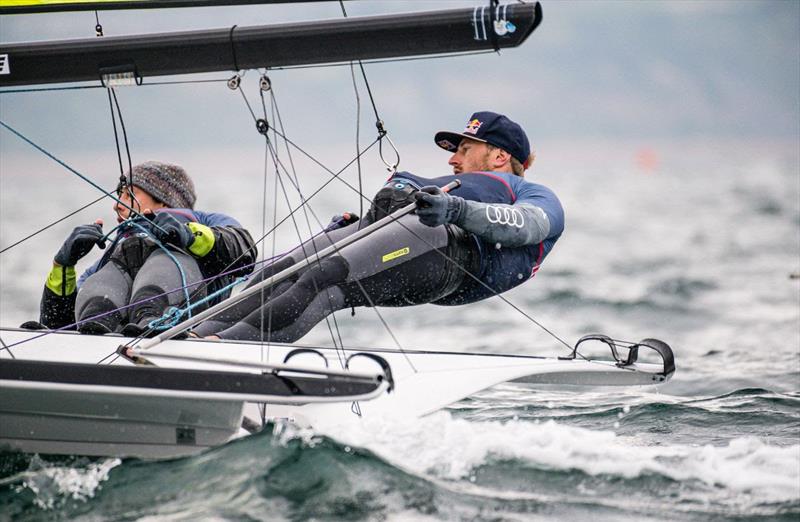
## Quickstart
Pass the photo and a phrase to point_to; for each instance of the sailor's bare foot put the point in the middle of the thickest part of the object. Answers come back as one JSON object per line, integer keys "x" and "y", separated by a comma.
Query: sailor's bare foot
{"x": 213, "y": 337}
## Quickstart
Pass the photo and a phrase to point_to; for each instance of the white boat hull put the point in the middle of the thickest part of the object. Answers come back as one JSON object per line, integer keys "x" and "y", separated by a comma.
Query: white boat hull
{"x": 155, "y": 424}
{"x": 80, "y": 423}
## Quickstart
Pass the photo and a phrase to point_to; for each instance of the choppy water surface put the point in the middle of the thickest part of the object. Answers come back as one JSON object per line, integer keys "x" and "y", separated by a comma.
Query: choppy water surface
{"x": 698, "y": 252}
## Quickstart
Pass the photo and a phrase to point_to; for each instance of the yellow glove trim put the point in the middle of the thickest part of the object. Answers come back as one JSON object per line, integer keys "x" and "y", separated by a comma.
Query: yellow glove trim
{"x": 60, "y": 282}
{"x": 203, "y": 239}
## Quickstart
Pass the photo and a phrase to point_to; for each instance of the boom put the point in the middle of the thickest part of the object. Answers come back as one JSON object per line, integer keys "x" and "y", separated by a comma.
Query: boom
{"x": 51, "y": 6}
{"x": 269, "y": 46}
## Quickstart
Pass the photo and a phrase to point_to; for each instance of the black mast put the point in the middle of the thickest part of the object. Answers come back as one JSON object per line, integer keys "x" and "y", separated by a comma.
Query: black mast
{"x": 236, "y": 48}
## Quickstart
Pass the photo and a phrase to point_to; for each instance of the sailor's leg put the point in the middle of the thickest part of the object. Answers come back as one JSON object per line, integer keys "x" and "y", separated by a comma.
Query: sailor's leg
{"x": 406, "y": 263}
{"x": 99, "y": 305}
{"x": 242, "y": 309}
{"x": 295, "y": 311}
{"x": 326, "y": 302}
{"x": 255, "y": 302}
{"x": 403, "y": 264}
{"x": 158, "y": 285}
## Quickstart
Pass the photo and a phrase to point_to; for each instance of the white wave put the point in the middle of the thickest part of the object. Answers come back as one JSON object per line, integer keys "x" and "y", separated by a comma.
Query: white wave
{"x": 53, "y": 484}
{"x": 444, "y": 447}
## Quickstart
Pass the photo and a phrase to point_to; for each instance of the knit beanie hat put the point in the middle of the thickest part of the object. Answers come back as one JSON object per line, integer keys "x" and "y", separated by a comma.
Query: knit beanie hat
{"x": 167, "y": 183}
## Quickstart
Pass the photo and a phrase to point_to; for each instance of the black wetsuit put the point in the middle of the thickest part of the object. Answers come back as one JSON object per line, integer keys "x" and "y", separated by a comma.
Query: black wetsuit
{"x": 406, "y": 263}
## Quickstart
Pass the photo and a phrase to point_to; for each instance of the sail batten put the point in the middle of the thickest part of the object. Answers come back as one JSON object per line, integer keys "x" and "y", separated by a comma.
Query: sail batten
{"x": 282, "y": 45}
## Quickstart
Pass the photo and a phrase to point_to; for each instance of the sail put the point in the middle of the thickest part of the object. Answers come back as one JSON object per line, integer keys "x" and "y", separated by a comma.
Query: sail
{"x": 49, "y": 6}
{"x": 237, "y": 48}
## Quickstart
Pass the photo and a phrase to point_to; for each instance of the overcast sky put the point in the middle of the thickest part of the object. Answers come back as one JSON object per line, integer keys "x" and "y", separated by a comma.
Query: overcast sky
{"x": 593, "y": 69}
{"x": 595, "y": 77}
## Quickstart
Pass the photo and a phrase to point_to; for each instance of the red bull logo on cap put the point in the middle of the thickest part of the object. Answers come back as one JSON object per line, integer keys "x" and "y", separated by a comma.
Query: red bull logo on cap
{"x": 473, "y": 126}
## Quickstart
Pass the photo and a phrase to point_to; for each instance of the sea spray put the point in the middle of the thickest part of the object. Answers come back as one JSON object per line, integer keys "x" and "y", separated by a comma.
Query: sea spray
{"x": 54, "y": 484}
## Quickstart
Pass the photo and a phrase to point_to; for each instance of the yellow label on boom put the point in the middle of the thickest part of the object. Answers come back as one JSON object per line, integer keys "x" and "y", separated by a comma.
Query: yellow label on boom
{"x": 395, "y": 254}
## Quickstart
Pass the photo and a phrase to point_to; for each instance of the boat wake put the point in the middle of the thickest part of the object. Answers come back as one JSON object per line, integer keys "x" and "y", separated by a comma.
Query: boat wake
{"x": 383, "y": 469}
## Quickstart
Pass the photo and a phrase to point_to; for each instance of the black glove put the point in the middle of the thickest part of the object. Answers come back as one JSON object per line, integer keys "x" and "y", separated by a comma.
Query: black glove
{"x": 167, "y": 229}
{"x": 343, "y": 220}
{"x": 436, "y": 207}
{"x": 79, "y": 243}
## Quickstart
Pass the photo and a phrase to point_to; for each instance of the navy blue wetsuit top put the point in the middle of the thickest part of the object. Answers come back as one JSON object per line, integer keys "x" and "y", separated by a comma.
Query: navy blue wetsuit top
{"x": 501, "y": 268}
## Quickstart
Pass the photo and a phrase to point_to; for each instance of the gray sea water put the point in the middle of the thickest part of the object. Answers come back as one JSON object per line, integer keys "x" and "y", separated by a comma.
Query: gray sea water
{"x": 695, "y": 244}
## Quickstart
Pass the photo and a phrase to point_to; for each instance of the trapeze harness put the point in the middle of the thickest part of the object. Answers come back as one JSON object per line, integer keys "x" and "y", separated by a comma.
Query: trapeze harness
{"x": 399, "y": 265}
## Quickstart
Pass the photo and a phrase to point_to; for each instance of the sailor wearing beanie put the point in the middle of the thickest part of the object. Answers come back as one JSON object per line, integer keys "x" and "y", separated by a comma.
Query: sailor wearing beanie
{"x": 136, "y": 278}
{"x": 167, "y": 183}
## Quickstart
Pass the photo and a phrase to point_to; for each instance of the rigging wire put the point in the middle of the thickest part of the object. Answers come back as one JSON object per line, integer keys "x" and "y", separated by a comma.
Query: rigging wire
{"x": 359, "y": 190}
{"x": 296, "y": 183}
{"x": 334, "y": 176}
{"x": 228, "y": 269}
{"x": 72, "y": 170}
{"x": 80, "y": 87}
{"x": 124, "y": 135}
{"x": 116, "y": 135}
{"x": 6, "y": 348}
{"x": 382, "y": 133}
{"x": 54, "y": 223}
{"x": 98, "y": 29}
{"x": 358, "y": 138}
{"x": 295, "y": 179}
{"x": 47, "y": 89}
{"x": 304, "y": 204}
{"x": 366, "y": 294}
{"x": 66, "y": 166}
{"x": 464, "y": 270}
{"x": 123, "y": 183}
{"x": 276, "y": 68}
{"x": 274, "y": 245}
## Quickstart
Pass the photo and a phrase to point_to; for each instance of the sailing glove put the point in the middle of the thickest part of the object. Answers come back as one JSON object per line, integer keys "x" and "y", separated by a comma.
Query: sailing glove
{"x": 79, "y": 243}
{"x": 340, "y": 221}
{"x": 436, "y": 207}
{"x": 167, "y": 229}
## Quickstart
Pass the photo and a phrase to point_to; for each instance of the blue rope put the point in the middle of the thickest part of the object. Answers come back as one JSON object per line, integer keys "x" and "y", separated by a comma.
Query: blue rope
{"x": 173, "y": 315}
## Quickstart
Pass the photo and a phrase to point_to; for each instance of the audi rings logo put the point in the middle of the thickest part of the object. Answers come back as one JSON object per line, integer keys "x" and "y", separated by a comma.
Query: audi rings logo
{"x": 505, "y": 216}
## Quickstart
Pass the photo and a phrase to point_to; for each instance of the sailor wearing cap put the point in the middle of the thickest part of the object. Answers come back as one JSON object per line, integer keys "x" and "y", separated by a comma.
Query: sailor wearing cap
{"x": 485, "y": 237}
{"x": 512, "y": 223}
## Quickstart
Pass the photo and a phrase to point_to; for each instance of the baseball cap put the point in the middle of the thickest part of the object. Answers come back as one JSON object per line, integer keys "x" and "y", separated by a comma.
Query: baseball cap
{"x": 492, "y": 128}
